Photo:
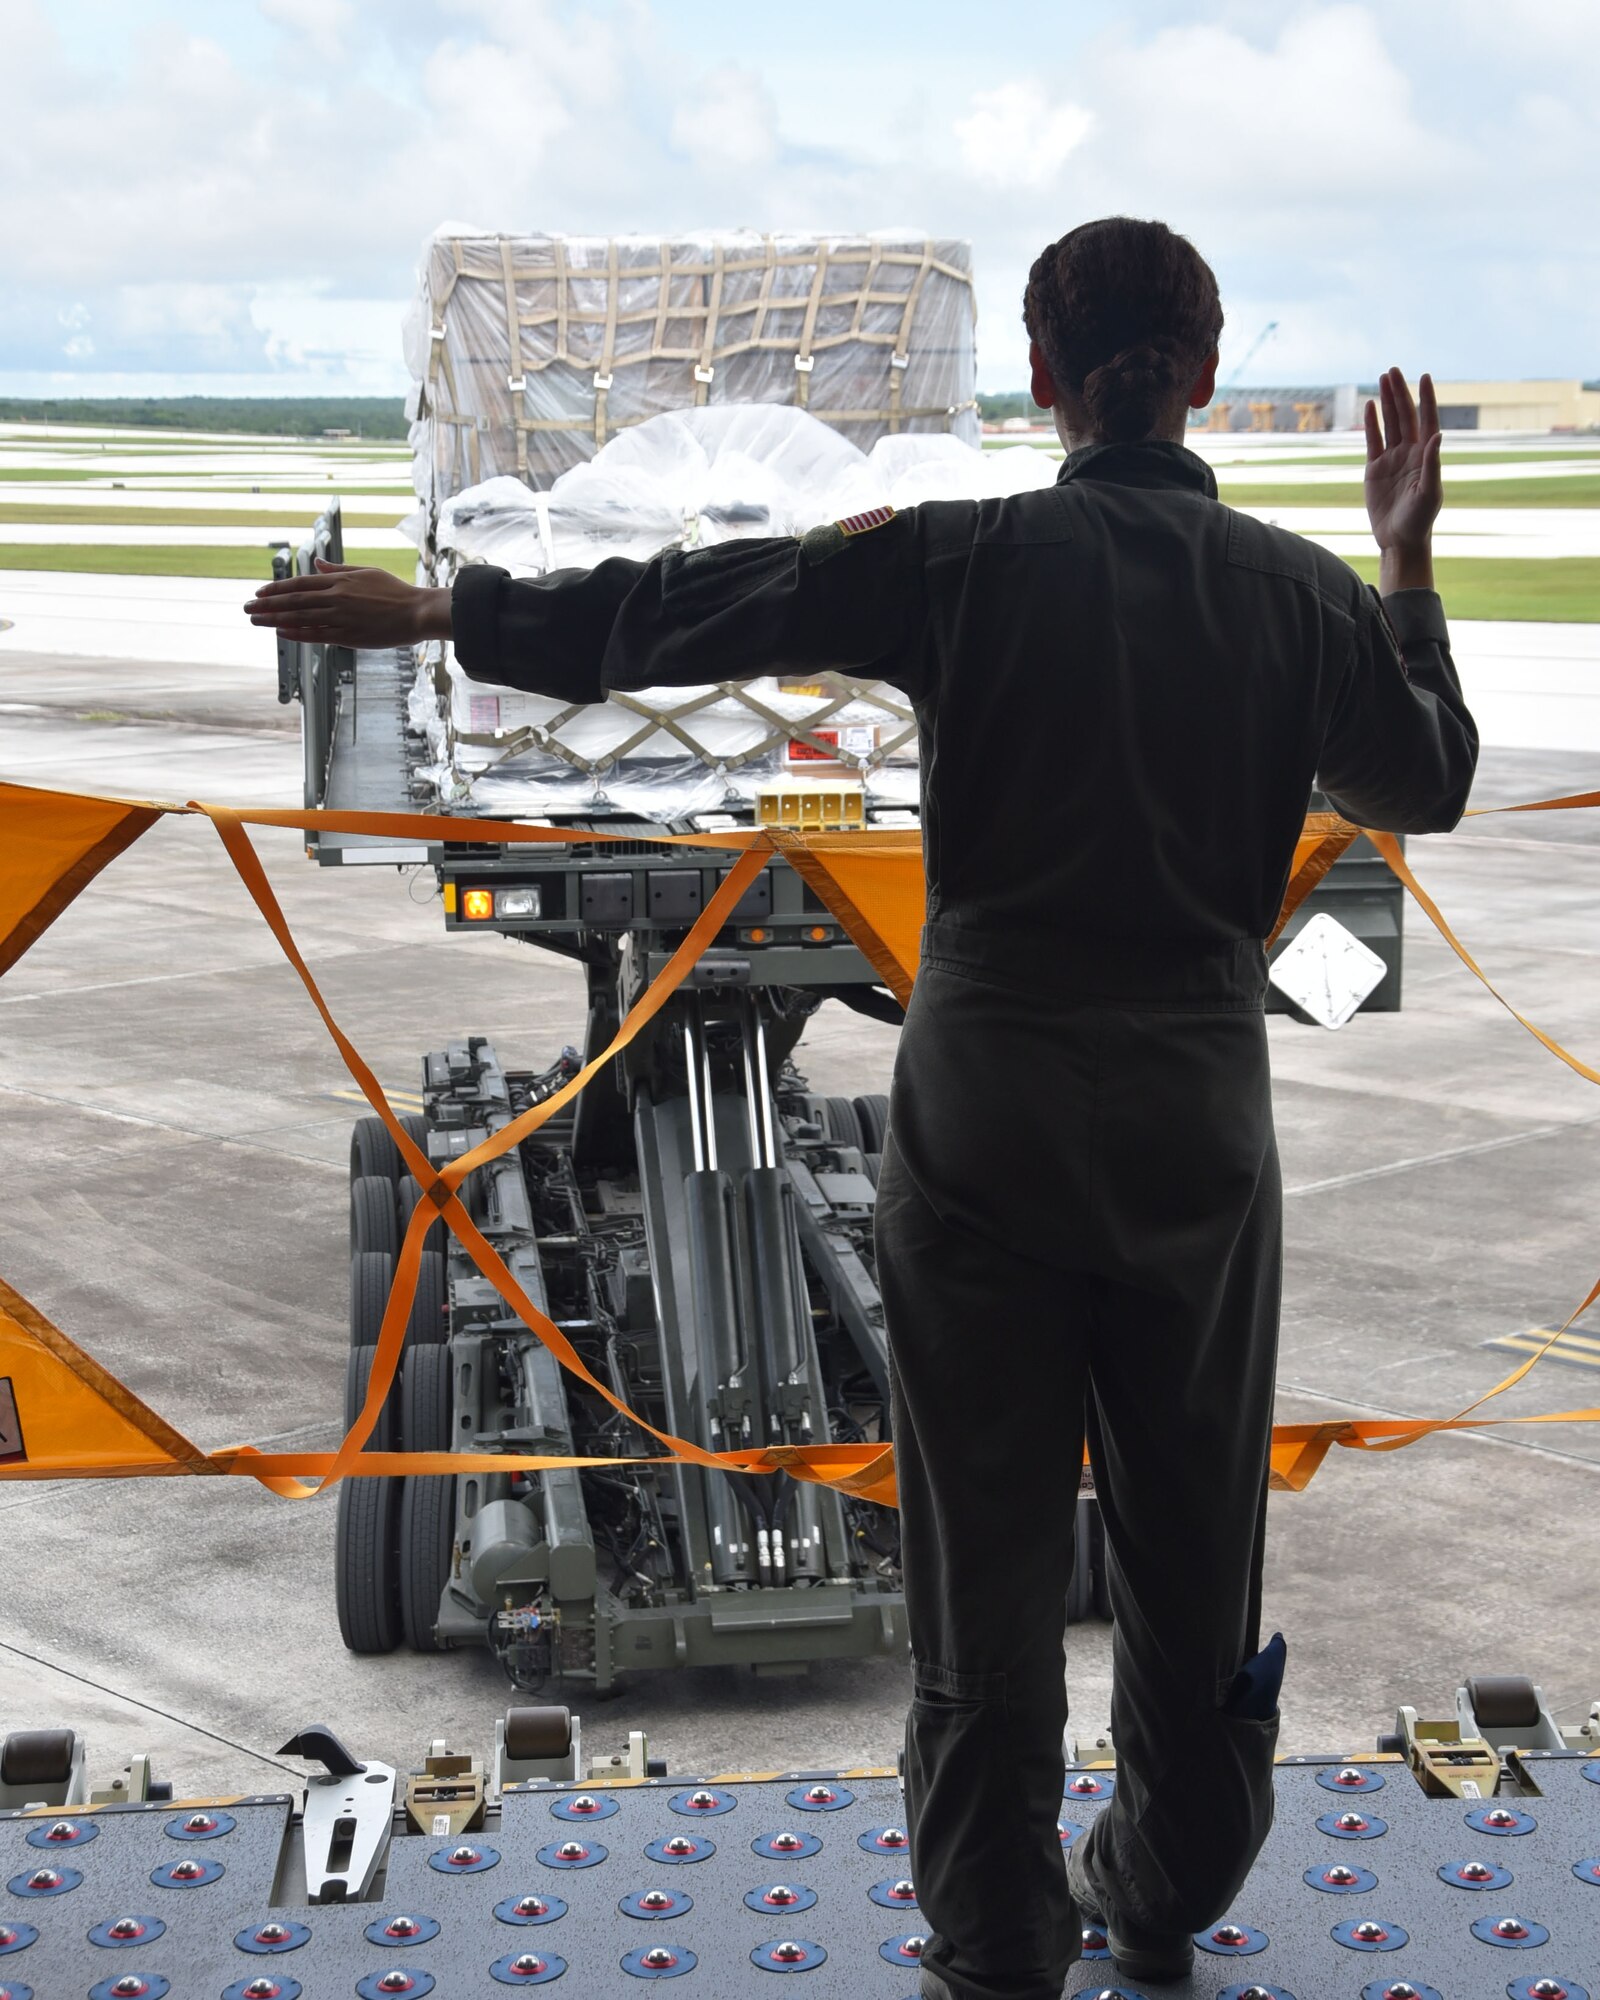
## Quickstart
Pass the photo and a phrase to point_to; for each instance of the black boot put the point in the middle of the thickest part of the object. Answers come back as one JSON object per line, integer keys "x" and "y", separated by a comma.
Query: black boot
{"x": 1141, "y": 1954}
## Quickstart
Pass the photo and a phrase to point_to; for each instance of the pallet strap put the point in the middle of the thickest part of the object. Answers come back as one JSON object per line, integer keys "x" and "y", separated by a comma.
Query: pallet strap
{"x": 516, "y": 381}
{"x": 67, "y": 1417}
{"x": 804, "y": 359}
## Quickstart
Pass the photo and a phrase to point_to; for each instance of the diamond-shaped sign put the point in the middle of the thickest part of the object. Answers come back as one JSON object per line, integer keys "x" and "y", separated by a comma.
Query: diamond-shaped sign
{"x": 1326, "y": 970}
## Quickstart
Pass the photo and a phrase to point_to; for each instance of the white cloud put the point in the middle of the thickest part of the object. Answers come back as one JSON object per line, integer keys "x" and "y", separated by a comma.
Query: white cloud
{"x": 1015, "y": 137}
{"x": 260, "y": 211}
{"x": 317, "y": 25}
{"x": 1322, "y": 115}
{"x": 730, "y": 124}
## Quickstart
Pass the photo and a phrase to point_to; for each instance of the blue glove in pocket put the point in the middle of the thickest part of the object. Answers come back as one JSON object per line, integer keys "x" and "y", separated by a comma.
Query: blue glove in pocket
{"x": 1255, "y": 1688}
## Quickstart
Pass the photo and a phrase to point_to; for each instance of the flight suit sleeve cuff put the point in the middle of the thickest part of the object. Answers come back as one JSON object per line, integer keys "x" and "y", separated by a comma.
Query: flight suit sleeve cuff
{"x": 474, "y": 617}
{"x": 1417, "y": 616}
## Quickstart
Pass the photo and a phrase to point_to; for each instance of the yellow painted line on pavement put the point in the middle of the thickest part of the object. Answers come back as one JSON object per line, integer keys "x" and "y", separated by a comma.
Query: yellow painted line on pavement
{"x": 402, "y": 1100}
{"x": 1578, "y": 1350}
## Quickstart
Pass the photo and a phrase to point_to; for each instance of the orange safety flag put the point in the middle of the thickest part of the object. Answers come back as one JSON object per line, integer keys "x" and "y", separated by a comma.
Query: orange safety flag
{"x": 61, "y": 1415}
{"x": 53, "y": 844}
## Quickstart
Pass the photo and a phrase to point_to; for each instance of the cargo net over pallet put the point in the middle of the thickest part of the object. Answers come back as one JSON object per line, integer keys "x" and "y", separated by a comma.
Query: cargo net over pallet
{"x": 810, "y": 753}
{"x": 529, "y": 353}
{"x": 826, "y": 750}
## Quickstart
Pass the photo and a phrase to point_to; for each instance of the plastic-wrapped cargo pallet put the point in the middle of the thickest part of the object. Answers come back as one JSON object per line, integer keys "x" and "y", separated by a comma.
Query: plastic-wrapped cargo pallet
{"x": 529, "y": 352}
{"x": 690, "y": 479}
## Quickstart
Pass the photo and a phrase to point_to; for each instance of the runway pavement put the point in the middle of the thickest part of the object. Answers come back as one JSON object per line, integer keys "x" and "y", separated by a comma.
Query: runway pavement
{"x": 172, "y": 1143}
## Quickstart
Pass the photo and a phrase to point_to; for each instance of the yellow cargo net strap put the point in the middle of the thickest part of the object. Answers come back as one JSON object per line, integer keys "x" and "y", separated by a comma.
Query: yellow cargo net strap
{"x": 81, "y": 1422}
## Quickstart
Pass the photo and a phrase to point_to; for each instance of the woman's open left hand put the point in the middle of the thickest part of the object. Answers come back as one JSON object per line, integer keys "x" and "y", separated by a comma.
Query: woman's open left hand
{"x": 1404, "y": 491}
{"x": 342, "y": 605}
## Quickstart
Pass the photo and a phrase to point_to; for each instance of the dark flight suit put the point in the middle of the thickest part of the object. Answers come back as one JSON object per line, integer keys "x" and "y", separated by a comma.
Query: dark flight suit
{"x": 1124, "y": 692}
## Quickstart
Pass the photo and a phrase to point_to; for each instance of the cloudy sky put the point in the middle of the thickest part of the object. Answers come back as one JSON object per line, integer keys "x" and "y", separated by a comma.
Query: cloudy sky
{"x": 229, "y": 196}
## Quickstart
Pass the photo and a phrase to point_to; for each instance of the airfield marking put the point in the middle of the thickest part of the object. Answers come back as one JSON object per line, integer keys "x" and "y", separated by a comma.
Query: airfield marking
{"x": 1573, "y": 1349}
{"x": 403, "y": 1100}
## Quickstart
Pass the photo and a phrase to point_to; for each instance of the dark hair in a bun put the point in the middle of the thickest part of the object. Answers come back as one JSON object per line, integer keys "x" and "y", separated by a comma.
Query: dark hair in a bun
{"x": 1124, "y": 313}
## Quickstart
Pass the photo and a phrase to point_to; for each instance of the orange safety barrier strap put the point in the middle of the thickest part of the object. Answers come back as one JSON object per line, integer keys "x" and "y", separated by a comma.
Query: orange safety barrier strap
{"x": 1324, "y": 838}
{"x": 96, "y": 829}
{"x": 54, "y": 848}
{"x": 439, "y": 1186}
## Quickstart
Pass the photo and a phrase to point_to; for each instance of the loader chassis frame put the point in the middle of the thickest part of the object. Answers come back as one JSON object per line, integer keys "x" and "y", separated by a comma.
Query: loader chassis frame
{"x": 697, "y": 1222}
{"x": 706, "y": 1248}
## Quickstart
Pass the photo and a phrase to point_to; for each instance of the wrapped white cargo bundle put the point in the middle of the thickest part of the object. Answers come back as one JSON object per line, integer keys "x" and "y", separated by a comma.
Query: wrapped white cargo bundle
{"x": 687, "y": 480}
{"x": 529, "y": 353}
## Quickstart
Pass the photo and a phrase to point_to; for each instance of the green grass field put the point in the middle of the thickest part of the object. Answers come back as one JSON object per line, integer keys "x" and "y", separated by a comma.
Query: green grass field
{"x": 131, "y": 449}
{"x": 1558, "y": 590}
{"x": 1580, "y": 489}
{"x": 1254, "y": 461}
{"x": 164, "y": 482}
{"x": 254, "y": 565}
{"x": 1563, "y": 590}
{"x": 289, "y": 521}
{"x": 1462, "y": 457}
{"x": 57, "y": 475}
{"x": 400, "y": 490}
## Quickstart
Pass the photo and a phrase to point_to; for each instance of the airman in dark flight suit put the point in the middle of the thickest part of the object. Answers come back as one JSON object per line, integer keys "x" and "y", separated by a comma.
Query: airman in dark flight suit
{"x": 1125, "y": 693}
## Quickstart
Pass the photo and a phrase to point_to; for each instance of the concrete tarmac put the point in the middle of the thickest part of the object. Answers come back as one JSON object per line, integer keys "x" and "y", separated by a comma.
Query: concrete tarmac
{"x": 173, "y": 1132}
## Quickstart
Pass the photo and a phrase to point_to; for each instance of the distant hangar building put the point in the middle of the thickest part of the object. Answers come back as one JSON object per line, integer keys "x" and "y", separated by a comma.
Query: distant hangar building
{"x": 1544, "y": 405}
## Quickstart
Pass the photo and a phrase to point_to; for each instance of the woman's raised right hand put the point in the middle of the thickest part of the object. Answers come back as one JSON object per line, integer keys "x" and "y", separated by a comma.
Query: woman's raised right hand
{"x": 1404, "y": 491}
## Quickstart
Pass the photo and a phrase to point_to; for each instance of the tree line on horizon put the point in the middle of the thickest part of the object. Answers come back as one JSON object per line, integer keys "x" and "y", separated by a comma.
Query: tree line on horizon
{"x": 366, "y": 417}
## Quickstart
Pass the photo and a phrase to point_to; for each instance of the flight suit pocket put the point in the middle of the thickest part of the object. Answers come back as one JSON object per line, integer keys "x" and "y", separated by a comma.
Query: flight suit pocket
{"x": 957, "y": 1751}
{"x": 1205, "y": 1821}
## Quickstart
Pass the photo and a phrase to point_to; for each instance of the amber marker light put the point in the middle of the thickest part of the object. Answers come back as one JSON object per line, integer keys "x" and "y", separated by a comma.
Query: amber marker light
{"x": 755, "y": 934}
{"x": 819, "y": 933}
{"x": 477, "y": 905}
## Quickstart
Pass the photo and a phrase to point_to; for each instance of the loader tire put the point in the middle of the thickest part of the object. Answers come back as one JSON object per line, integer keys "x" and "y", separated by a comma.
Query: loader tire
{"x": 872, "y": 1113}
{"x": 386, "y": 1433}
{"x": 844, "y": 1128}
{"x": 371, "y": 1275}
{"x": 428, "y": 1503}
{"x": 429, "y": 1323}
{"x": 409, "y": 1194}
{"x": 372, "y": 1215}
{"x": 373, "y": 1151}
{"x": 367, "y": 1532}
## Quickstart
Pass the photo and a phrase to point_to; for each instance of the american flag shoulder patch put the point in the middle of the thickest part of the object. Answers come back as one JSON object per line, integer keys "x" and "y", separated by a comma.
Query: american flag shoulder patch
{"x": 858, "y": 524}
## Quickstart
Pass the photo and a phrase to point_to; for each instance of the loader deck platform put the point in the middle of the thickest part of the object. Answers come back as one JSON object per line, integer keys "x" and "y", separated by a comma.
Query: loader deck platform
{"x": 725, "y": 1881}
